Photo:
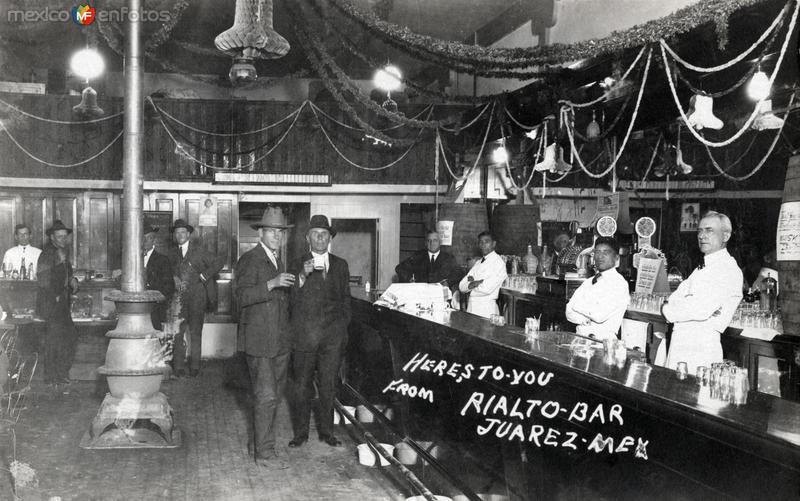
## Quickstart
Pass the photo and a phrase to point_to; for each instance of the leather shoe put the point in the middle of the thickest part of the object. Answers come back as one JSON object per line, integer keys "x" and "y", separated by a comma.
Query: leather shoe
{"x": 331, "y": 440}
{"x": 180, "y": 373}
{"x": 194, "y": 372}
{"x": 297, "y": 441}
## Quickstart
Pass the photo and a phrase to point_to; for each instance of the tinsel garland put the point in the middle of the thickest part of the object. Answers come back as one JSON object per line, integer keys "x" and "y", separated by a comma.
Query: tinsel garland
{"x": 347, "y": 83}
{"x": 679, "y": 22}
{"x": 332, "y": 87}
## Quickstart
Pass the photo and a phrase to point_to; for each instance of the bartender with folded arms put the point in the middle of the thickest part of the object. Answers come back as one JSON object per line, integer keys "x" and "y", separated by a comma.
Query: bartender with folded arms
{"x": 598, "y": 305}
{"x": 703, "y": 305}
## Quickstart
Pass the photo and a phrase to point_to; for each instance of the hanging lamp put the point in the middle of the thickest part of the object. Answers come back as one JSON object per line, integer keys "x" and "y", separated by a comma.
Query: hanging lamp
{"x": 88, "y": 108}
{"x": 759, "y": 87}
{"x": 593, "y": 129}
{"x": 251, "y": 37}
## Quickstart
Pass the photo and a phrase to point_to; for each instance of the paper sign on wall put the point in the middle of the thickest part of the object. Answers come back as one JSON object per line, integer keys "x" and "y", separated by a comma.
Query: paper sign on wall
{"x": 208, "y": 214}
{"x": 651, "y": 276}
{"x": 787, "y": 240}
{"x": 445, "y": 230}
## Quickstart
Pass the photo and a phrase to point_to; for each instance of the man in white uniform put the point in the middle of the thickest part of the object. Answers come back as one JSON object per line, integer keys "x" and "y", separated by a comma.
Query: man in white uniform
{"x": 703, "y": 305}
{"x": 598, "y": 305}
{"x": 23, "y": 252}
{"x": 484, "y": 279}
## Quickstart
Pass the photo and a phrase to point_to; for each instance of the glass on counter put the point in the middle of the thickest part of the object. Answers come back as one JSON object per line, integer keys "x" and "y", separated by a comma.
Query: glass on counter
{"x": 751, "y": 315}
{"x": 647, "y": 303}
{"x": 522, "y": 283}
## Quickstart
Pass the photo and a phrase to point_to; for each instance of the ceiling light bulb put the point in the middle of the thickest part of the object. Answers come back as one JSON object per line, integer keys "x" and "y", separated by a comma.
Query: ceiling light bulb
{"x": 388, "y": 78}
{"x": 500, "y": 155}
{"x": 759, "y": 88}
{"x": 87, "y": 63}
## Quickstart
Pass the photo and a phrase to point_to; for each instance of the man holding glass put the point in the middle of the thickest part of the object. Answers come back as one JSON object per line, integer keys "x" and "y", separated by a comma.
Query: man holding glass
{"x": 262, "y": 292}
{"x": 702, "y": 306}
{"x": 598, "y": 305}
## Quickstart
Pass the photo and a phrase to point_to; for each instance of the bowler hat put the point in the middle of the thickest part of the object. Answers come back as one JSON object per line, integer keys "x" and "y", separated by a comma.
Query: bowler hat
{"x": 273, "y": 218}
{"x": 149, "y": 229}
{"x": 57, "y": 225}
{"x": 320, "y": 221}
{"x": 180, "y": 223}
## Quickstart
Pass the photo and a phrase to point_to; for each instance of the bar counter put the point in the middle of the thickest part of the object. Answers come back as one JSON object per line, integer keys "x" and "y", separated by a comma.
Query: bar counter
{"x": 564, "y": 421}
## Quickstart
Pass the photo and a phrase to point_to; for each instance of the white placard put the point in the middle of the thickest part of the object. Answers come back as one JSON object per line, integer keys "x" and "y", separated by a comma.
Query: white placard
{"x": 445, "y": 231}
{"x": 787, "y": 240}
{"x": 208, "y": 214}
{"x": 647, "y": 274}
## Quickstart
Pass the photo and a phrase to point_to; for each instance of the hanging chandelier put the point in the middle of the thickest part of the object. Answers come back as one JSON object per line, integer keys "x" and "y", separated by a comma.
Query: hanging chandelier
{"x": 251, "y": 37}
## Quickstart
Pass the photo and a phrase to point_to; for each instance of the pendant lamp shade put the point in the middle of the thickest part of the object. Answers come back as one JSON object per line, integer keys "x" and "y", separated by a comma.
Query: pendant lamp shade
{"x": 87, "y": 108}
{"x": 593, "y": 129}
{"x": 251, "y": 37}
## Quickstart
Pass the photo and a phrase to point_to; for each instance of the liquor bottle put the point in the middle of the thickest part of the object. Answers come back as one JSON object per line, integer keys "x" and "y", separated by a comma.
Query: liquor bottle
{"x": 31, "y": 275}
{"x": 531, "y": 262}
{"x": 769, "y": 294}
{"x": 23, "y": 270}
{"x": 547, "y": 261}
{"x": 413, "y": 279}
{"x": 748, "y": 296}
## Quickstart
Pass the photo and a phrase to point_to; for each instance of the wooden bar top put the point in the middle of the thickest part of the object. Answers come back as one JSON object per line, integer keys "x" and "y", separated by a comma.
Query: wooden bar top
{"x": 764, "y": 422}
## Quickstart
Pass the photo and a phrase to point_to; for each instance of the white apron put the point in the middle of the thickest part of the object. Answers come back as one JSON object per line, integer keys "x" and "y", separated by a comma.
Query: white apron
{"x": 482, "y": 306}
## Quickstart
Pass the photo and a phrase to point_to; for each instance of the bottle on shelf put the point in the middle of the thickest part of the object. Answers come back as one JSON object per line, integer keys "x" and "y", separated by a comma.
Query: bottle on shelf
{"x": 23, "y": 270}
{"x": 531, "y": 262}
{"x": 31, "y": 275}
{"x": 413, "y": 279}
{"x": 546, "y": 261}
{"x": 749, "y": 297}
{"x": 769, "y": 294}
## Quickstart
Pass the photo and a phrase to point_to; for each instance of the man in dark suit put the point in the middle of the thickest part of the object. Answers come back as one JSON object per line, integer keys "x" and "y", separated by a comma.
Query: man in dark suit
{"x": 320, "y": 316}
{"x": 431, "y": 265}
{"x": 56, "y": 284}
{"x": 158, "y": 276}
{"x": 262, "y": 292}
{"x": 195, "y": 269}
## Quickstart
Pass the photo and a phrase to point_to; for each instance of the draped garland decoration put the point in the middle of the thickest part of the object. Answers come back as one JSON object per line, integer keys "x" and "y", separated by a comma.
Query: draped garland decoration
{"x": 677, "y": 23}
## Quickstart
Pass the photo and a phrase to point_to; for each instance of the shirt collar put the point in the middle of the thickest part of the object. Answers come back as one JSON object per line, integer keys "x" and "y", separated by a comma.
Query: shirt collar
{"x": 433, "y": 254}
{"x": 716, "y": 257}
{"x": 184, "y": 245}
{"x": 269, "y": 251}
{"x": 323, "y": 254}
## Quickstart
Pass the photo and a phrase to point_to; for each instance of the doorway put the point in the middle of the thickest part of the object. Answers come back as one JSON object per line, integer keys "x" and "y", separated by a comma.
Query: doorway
{"x": 357, "y": 242}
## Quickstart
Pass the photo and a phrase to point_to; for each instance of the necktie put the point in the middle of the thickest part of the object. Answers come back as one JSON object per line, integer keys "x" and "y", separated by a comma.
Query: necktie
{"x": 596, "y": 278}
{"x": 701, "y": 265}
{"x": 183, "y": 251}
{"x": 433, "y": 259}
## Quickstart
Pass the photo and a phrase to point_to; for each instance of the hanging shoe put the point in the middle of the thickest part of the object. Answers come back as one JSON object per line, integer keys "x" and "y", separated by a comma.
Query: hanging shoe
{"x": 701, "y": 114}
{"x": 549, "y": 162}
{"x": 766, "y": 119}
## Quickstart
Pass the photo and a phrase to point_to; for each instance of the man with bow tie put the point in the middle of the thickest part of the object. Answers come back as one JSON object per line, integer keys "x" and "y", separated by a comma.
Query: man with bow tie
{"x": 262, "y": 291}
{"x": 22, "y": 254}
{"x": 320, "y": 316}
{"x": 703, "y": 305}
{"x": 158, "y": 276}
{"x": 431, "y": 265}
{"x": 195, "y": 269}
{"x": 484, "y": 278}
{"x": 598, "y": 305}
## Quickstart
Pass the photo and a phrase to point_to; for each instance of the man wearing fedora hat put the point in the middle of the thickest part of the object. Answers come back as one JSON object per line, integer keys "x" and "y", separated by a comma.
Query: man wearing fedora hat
{"x": 158, "y": 275}
{"x": 262, "y": 292}
{"x": 194, "y": 268}
{"x": 320, "y": 316}
{"x": 56, "y": 285}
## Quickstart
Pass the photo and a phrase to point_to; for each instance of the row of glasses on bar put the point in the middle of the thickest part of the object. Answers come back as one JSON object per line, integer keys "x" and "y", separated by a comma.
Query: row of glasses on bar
{"x": 725, "y": 381}
{"x": 651, "y": 303}
{"x": 751, "y": 315}
{"x": 524, "y": 283}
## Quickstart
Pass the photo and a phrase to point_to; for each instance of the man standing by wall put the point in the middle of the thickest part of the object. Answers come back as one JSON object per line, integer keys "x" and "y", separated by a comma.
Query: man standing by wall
{"x": 431, "y": 265}
{"x": 484, "y": 279}
{"x": 23, "y": 254}
{"x": 262, "y": 292}
{"x": 56, "y": 285}
{"x": 703, "y": 305}
{"x": 195, "y": 268}
{"x": 158, "y": 276}
{"x": 320, "y": 316}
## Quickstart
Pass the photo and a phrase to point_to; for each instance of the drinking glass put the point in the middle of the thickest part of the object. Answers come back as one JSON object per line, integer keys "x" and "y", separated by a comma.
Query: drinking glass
{"x": 702, "y": 375}
{"x": 682, "y": 370}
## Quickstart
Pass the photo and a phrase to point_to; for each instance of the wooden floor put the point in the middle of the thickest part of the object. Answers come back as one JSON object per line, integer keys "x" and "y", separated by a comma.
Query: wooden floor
{"x": 211, "y": 464}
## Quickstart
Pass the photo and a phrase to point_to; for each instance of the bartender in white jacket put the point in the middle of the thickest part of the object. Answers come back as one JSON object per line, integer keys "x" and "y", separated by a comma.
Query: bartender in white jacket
{"x": 598, "y": 305}
{"x": 484, "y": 279}
{"x": 702, "y": 306}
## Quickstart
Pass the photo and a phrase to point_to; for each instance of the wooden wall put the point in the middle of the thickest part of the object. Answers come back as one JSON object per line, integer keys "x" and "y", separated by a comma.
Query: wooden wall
{"x": 304, "y": 150}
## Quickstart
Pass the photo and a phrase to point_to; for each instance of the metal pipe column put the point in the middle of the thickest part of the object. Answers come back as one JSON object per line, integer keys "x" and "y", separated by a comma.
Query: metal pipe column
{"x": 132, "y": 155}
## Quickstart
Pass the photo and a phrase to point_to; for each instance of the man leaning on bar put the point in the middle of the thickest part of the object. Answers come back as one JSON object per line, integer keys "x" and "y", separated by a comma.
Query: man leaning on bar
{"x": 703, "y": 305}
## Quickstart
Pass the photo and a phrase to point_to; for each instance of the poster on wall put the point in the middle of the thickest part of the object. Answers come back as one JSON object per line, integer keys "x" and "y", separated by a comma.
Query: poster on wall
{"x": 787, "y": 240}
{"x": 690, "y": 216}
{"x": 445, "y": 230}
{"x": 208, "y": 214}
